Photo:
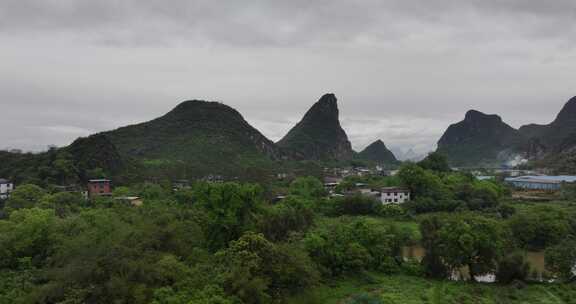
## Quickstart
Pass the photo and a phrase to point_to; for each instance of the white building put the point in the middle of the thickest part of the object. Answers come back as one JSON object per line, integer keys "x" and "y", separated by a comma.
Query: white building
{"x": 6, "y": 187}
{"x": 394, "y": 195}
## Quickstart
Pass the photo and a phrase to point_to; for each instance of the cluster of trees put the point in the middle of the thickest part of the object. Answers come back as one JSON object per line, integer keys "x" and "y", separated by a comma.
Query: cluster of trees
{"x": 226, "y": 243}
{"x": 484, "y": 245}
{"x": 90, "y": 157}
{"x": 214, "y": 243}
{"x": 435, "y": 188}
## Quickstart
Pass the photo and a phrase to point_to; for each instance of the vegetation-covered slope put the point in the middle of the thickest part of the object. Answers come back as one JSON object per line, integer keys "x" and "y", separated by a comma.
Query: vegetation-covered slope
{"x": 378, "y": 152}
{"x": 480, "y": 139}
{"x": 88, "y": 157}
{"x": 381, "y": 289}
{"x": 558, "y": 131}
{"x": 204, "y": 137}
{"x": 554, "y": 145}
{"x": 319, "y": 135}
{"x": 225, "y": 243}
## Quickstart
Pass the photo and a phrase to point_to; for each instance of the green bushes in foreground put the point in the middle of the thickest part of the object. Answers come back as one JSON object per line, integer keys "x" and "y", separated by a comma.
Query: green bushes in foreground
{"x": 224, "y": 243}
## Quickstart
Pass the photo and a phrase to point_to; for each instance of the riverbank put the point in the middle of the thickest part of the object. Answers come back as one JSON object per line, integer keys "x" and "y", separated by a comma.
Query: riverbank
{"x": 399, "y": 289}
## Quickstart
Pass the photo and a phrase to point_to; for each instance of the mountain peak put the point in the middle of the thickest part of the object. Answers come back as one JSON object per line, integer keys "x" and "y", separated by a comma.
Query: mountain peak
{"x": 478, "y": 139}
{"x": 196, "y": 106}
{"x": 568, "y": 112}
{"x": 325, "y": 108}
{"x": 378, "y": 152}
{"x": 319, "y": 134}
{"x": 474, "y": 115}
{"x": 329, "y": 99}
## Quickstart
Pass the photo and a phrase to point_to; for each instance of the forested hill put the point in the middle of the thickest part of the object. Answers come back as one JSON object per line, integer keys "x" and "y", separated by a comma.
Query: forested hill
{"x": 555, "y": 133}
{"x": 554, "y": 145}
{"x": 378, "y": 152}
{"x": 87, "y": 157}
{"x": 205, "y": 137}
{"x": 195, "y": 139}
{"x": 319, "y": 135}
{"x": 480, "y": 139}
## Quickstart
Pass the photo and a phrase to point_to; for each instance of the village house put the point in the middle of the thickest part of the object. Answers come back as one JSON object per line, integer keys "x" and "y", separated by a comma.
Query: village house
{"x": 99, "y": 187}
{"x": 540, "y": 183}
{"x": 394, "y": 195}
{"x": 181, "y": 184}
{"x": 6, "y": 187}
{"x": 362, "y": 172}
{"x": 213, "y": 178}
{"x": 331, "y": 182}
{"x": 362, "y": 189}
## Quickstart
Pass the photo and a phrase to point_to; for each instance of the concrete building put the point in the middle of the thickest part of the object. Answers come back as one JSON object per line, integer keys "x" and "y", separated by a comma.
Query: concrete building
{"x": 542, "y": 183}
{"x": 6, "y": 187}
{"x": 181, "y": 184}
{"x": 394, "y": 195}
{"x": 99, "y": 187}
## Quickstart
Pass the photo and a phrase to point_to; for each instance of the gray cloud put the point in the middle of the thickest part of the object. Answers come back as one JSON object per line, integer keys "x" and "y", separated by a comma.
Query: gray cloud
{"x": 261, "y": 22}
{"x": 403, "y": 69}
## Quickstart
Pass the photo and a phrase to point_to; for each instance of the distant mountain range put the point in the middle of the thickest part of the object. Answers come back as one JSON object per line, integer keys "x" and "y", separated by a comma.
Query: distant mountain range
{"x": 480, "y": 140}
{"x": 408, "y": 155}
{"x": 198, "y": 138}
{"x": 485, "y": 140}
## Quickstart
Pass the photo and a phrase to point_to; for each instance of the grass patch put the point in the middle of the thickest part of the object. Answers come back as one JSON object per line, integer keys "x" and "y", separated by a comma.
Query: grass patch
{"x": 415, "y": 290}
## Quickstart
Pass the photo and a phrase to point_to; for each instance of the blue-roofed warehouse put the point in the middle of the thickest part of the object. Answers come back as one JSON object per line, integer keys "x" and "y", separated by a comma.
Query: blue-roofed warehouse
{"x": 544, "y": 182}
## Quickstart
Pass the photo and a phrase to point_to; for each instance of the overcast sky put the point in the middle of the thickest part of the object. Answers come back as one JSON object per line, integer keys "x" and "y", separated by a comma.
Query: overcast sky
{"x": 403, "y": 70}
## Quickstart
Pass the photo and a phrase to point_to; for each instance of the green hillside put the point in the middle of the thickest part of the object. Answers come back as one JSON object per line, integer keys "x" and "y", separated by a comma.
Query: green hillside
{"x": 379, "y": 153}
{"x": 196, "y": 138}
{"x": 480, "y": 139}
{"x": 319, "y": 135}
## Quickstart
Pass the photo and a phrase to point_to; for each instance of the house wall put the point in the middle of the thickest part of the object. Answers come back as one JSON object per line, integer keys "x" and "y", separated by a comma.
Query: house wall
{"x": 399, "y": 197}
{"x": 99, "y": 188}
{"x": 5, "y": 190}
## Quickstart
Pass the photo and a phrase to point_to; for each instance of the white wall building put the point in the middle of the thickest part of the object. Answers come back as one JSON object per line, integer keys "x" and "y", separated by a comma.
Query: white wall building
{"x": 6, "y": 187}
{"x": 394, "y": 195}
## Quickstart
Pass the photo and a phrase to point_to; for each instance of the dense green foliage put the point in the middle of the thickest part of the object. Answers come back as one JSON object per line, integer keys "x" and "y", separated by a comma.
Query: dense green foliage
{"x": 226, "y": 243}
{"x": 435, "y": 161}
{"x": 196, "y": 139}
{"x": 377, "y": 288}
{"x": 513, "y": 267}
{"x": 85, "y": 158}
{"x": 561, "y": 259}
{"x": 542, "y": 227}
{"x": 438, "y": 191}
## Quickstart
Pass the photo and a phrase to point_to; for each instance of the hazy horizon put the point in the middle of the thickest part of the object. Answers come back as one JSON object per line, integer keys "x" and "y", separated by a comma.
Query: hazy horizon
{"x": 403, "y": 71}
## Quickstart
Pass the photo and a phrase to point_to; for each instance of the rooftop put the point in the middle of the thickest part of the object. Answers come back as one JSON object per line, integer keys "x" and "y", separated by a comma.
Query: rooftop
{"x": 4, "y": 181}
{"x": 99, "y": 180}
{"x": 394, "y": 189}
{"x": 543, "y": 179}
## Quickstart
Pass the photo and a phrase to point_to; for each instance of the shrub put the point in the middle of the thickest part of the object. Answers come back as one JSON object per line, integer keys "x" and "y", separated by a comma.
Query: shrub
{"x": 512, "y": 268}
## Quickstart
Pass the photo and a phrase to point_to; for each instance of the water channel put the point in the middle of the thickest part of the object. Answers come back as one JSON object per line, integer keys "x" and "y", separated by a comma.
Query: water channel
{"x": 534, "y": 258}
